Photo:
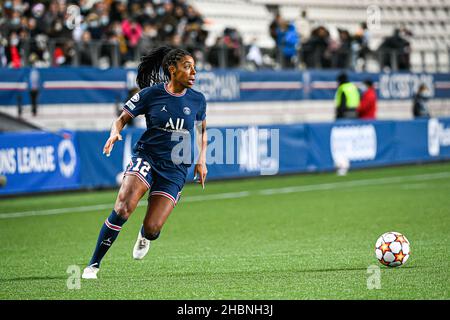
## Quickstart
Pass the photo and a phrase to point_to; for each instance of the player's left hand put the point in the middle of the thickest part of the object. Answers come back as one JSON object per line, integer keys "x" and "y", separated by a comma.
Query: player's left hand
{"x": 110, "y": 143}
{"x": 201, "y": 171}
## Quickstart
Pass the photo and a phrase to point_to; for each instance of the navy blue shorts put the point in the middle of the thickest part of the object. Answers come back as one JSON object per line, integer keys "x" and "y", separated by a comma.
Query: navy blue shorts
{"x": 140, "y": 166}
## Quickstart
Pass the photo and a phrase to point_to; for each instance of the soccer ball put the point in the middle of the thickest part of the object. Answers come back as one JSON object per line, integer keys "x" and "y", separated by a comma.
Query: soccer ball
{"x": 392, "y": 249}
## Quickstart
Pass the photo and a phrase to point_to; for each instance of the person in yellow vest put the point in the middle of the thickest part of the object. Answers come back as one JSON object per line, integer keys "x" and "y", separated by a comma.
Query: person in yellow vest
{"x": 346, "y": 98}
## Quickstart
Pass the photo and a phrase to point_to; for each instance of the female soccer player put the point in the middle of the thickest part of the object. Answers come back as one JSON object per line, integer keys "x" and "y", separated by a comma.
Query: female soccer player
{"x": 171, "y": 110}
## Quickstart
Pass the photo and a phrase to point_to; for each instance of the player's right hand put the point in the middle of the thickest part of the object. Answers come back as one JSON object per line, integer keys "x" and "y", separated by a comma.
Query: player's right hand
{"x": 110, "y": 143}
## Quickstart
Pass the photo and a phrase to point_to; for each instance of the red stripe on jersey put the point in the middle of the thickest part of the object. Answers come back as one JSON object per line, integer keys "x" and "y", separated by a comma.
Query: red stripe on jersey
{"x": 125, "y": 109}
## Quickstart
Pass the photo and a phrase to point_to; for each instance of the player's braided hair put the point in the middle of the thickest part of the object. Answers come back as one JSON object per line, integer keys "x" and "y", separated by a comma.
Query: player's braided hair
{"x": 149, "y": 70}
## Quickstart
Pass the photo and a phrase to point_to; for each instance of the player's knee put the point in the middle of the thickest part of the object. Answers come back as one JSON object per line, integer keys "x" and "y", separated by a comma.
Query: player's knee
{"x": 124, "y": 209}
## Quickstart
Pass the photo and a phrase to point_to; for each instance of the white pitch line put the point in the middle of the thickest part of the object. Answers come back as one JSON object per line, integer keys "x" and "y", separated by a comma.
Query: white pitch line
{"x": 218, "y": 196}
{"x": 49, "y": 212}
{"x": 355, "y": 183}
{"x": 243, "y": 194}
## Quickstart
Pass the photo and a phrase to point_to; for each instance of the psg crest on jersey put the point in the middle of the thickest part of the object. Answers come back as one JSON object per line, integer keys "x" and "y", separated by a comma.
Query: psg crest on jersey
{"x": 187, "y": 111}
{"x": 135, "y": 98}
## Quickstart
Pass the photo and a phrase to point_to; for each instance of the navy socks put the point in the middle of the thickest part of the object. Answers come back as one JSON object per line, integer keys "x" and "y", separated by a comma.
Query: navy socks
{"x": 108, "y": 233}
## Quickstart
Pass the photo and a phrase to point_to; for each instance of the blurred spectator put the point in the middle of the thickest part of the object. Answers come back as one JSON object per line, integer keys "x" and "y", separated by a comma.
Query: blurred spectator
{"x": 149, "y": 36}
{"x": 287, "y": 44}
{"x": 37, "y": 12}
{"x": 360, "y": 45}
{"x": 254, "y": 55}
{"x": 118, "y": 11}
{"x": 342, "y": 54}
{"x": 346, "y": 98}
{"x": 315, "y": 52}
{"x": 68, "y": 49}
{"x": 115, "y": 36}
{"x": 226, "y": 52}
{"x": 94, "y": 27}
{"x": 233, "y": 42}
{"x": 368, "y": 106}
{"x": 304, "y": 26}
{"x": 59, "y": 30}
{"x": 394, "y": 52}
{"x": 58, "y": 57}
{"x": 193, "y": 35}
{"x": 168, "y": 22}
{"x": 274, "y": 26}
{"x": 84, "y": 49}
{"x": 34, "y": 85}
{"x": 12, "y": 51}
{"x": 50, "y": 16}
{"x": 147, "y": 15}
{"x": 420, "y": 109}
{"x": 39, "y": 53}
{"x": 132, "y": 32}
{"x": 57, "y": 22}
{"x": 32, "y": 27}
{"x": 3, "y": 57}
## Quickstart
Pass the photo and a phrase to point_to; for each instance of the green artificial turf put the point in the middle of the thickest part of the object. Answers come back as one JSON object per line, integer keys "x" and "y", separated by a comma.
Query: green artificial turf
{"x": 261, "y": 240}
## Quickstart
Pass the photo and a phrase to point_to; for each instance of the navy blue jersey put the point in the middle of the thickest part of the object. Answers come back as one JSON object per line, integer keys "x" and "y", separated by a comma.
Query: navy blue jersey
{"x": 165, "y": 113}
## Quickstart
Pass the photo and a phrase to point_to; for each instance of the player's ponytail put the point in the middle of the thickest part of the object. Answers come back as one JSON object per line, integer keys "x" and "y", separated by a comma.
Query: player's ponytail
{"x": 154, "y": 67}
{"x": 149, "y": 70}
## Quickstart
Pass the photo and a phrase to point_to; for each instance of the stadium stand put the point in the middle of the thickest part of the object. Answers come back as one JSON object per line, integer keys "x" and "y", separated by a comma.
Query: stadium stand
{"x": 427, "y": 20}
{"x": 99, "y": 32}
{"x": 251, "y": 19}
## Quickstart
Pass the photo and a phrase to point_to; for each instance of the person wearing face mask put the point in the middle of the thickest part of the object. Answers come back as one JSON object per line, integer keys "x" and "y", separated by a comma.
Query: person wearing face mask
{"x": 13, "y": 52}
{"x": 104, "y": 20}
{"x": 420, "y": 109}
{"x": 368, "y": 105}
{"x": 12, "y": 24}
{"x": 15, "y": 21}
{"x": 94, "y": 27}
{"x": 132, "y": 32}
{"x": 148, "y": 15}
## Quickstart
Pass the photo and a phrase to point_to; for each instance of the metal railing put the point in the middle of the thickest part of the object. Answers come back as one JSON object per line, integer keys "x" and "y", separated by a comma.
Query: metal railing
{"x": 104, "y": 53}
{"x": 379, "y": 60}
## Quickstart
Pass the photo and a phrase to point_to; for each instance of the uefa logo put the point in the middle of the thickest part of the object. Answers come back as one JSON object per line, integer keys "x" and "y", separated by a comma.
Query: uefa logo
{"x": 67, "y": 166}
{"x": 135, "y": 98}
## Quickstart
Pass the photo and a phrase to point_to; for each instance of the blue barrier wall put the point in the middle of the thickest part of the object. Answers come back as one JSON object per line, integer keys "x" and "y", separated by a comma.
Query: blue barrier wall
{"x": 39, "y": 161}
{"x": 89, "y": 85}
{"x": 34, "y": 162}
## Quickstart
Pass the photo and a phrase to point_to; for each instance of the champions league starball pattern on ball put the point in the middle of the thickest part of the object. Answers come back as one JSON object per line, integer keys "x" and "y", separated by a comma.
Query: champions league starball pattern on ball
{"x": 392, "y": 249}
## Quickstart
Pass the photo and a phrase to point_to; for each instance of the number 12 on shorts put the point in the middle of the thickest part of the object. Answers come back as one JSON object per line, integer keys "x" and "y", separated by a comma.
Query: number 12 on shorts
{"x": 142, "y": 166}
